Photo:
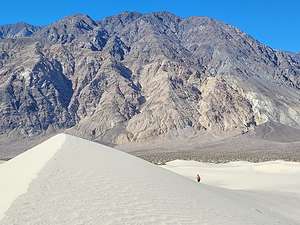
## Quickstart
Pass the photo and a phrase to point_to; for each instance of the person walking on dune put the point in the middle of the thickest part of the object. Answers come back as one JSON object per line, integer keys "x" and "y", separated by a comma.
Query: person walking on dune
{"x": 198, "y": 178}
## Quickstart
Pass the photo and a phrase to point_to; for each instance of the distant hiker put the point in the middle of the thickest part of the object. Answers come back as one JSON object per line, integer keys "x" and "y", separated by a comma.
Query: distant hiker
{"x": 198, "y": 178}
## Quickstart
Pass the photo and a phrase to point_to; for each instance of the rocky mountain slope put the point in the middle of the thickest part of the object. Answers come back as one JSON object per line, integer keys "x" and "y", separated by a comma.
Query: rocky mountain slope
{"x": 17, "y": 30}
{"x": 134, "y": 77}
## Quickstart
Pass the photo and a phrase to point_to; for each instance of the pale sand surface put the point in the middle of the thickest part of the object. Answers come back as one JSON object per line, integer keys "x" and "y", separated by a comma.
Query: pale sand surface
{"x": 274, "y": 183}
{"x": 71, "y": 181}
{"x": 279, "y": 176}
{"x": 17, "y": 174}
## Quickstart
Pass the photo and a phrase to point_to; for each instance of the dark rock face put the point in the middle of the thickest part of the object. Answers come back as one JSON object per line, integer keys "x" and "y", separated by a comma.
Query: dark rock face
{"x": 133, "y": 76}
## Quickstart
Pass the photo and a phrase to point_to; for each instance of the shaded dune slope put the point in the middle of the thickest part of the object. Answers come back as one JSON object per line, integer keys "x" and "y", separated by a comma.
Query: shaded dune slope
{"x": 82, "y": 182}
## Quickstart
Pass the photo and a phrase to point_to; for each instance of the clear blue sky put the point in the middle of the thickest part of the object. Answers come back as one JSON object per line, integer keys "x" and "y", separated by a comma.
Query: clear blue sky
{"x": 273, "y": 22}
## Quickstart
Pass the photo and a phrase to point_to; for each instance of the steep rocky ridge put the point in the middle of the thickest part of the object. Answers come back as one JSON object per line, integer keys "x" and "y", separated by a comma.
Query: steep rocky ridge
{"x": 134, "y": 77}
{"x": 17, "y": 30}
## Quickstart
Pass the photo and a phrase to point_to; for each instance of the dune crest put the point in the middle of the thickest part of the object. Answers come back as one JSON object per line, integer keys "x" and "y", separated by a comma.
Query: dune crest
{"x": 70, "y": 180}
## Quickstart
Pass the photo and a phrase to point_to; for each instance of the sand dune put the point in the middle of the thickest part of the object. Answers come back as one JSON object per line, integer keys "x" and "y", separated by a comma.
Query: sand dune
{"x": 275, "y": 184}
{"x": 279, "y": 176}
{"x": 68, "y": 180}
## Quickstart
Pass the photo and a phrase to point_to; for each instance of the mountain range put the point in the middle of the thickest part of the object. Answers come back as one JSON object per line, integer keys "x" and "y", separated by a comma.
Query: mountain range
{"x": 135, "y": 78}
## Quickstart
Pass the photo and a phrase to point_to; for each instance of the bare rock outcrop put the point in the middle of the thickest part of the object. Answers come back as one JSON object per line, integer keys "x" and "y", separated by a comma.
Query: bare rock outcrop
{"x": 133, "y": 77}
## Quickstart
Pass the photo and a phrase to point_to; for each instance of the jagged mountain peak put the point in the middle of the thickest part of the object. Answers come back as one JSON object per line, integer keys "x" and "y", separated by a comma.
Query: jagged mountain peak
{"x": 124, "y": 16}
{"x": 133, "y": 77}
{"x": 163, "y": 15}
{"x": 67, "y": 29}
{"x": 114, "y": 23}
{"x": 76, "y": 19}
{"x": 20, "y": 29}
